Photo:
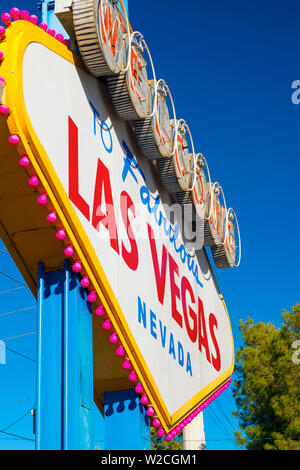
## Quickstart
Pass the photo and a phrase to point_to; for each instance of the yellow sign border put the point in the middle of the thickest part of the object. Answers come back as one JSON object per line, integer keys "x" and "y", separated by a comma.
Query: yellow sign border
{"x": 19, "y": 35}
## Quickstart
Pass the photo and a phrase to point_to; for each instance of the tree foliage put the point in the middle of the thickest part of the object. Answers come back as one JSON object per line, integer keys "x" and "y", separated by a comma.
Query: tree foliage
{"x": 267, "y": 387}
{"x": 160, "y": 443}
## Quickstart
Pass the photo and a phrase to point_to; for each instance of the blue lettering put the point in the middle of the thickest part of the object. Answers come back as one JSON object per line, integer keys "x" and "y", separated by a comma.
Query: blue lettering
{"x": 153, "y": 324}
{"x": 142, "y": 312}
{"x": 180, "y": 354}
{"x": 172, "y": 346}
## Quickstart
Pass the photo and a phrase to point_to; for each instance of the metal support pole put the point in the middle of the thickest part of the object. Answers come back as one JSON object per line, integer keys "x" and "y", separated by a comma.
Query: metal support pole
{"x": 64, "y": 415}
{"x": 127, "y": 427}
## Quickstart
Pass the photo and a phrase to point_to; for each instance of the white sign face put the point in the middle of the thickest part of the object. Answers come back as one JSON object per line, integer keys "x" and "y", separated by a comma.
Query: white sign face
{"x": 167, "y": 295}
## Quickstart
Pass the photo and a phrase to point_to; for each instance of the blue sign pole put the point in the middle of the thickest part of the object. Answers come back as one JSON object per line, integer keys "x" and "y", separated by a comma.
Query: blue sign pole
{"x": 65, "y": 394}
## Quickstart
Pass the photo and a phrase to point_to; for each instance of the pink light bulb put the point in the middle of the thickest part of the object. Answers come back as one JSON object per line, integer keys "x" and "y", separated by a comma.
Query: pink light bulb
{"x": 61, "y": 234}
{"x": 24, "y": 15}
{"x": 120, "y": 351}
{"x": 85, "y": 282}
{"x": 59, "y": 37}
{"x": 156, "y": 423}
{"x": 173, "y": 433}
{"x": 144, "y": 399}
{"x": 139, "y": 388}
{"x": 77, "y": 267}
{"x": 51, "y": 217}
{"x": 43, "y": 26}
{"x": 126, "y": 364}
{"x": 66, "y": 42}
{"x": 33, "y": 19}
{"x": 2, "y": 82}
{"x": 1, "y": 56}
{"x": 99, "y": 311}
{"x": 132, "y": 376}
{"x": 113, "y": 339}
{"x": 92, "y": 297}
{"x": 24, "y": 161}
{"x": 42, "y": 199}
{"x": 177, "y": 429}
{"x": 51, "y": 32}
{"x": 15, "y": 13}
{"x": 161, "y": 432}
{"x": 2, "y": 32}
{"x": 4, "y": 110}
{"x": 14, "y": 140}
{"x": 69, "y": 251}
{"x": 33, "y": 181}
{"x": 106, "y": 324}
{"x": 150, "y": 411}
{"x": 6, "y": 19}
{"x": 169, "y": 437}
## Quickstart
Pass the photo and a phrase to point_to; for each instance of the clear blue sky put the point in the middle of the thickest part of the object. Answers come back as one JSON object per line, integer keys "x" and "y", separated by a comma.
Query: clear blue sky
{"x": 230, "y": 66}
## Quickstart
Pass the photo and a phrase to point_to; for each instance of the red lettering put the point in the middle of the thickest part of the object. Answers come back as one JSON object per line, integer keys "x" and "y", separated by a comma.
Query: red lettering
{"x": 216, "y": 361}
{"x": 203, "y": 341}
{"x": 186, "y": 287}
{"x": 108, "y": 219}
{"x": 74, "y": 195}
{"x": 175, "y": 292}
{"x": 131, "y": 258}
{"x": 160, "y": 274}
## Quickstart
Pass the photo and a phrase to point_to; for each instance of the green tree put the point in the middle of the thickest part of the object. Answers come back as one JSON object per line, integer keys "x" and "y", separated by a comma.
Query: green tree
{"x": 267, "y": 387}
{"x": 160, "y": 443}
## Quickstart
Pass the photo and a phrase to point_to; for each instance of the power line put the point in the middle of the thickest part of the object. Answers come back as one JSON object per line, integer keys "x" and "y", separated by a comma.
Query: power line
{"x": 19, "y": 336}
{"x": 12, "y": 278}
{"x": 16, "y": 422}
{"x": 16, "y": 402}
{"x": 12, "y": 290}
{"x": 5, "y": 253}
{"x": 16, "y": 311}
{"x": 220, "y": 408}
{"x": 222, "y": 428}
{"x": 16, "y": 435}
{"x": 16, "y": 352}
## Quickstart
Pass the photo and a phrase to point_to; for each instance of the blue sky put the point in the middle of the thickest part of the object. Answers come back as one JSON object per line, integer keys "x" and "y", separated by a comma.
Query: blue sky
{"x": 230, "y": 66}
